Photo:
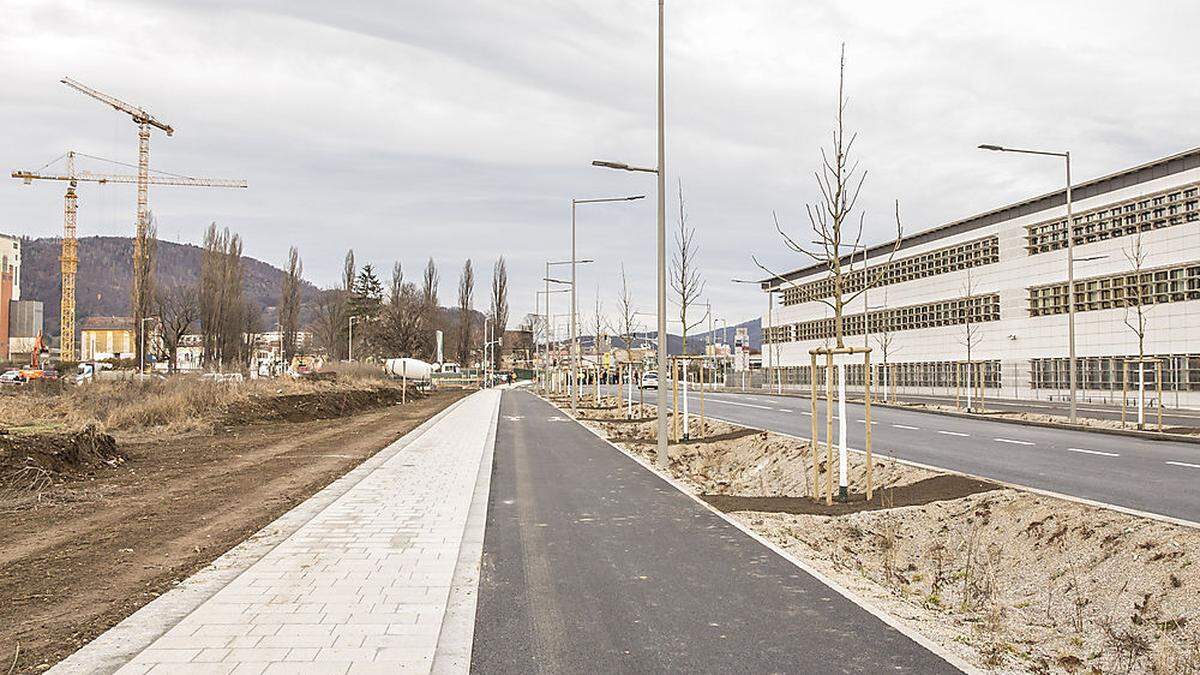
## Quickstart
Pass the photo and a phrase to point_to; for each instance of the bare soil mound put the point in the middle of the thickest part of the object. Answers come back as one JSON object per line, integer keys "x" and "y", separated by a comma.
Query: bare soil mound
{"x": 920, "y": 493}
{"x": 32, "y": 461}
{"x": 317, "y": 405}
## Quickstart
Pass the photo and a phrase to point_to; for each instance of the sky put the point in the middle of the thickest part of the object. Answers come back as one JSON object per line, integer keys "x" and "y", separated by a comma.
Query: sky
{"x": 410, "y": 129}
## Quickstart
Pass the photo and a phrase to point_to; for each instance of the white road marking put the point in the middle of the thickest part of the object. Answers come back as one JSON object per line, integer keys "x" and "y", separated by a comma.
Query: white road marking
{"x": 1190, "y": 466}
{"x": 1093, "y": 452}
{"x": 747, "y": 405}
{"x": 783, "y": 410}
{"x": 864, "y": 422}
{"x": 805, "y": 412}
{"x": 905, "y": 426}
{"x": 952, "y": 433}
{"x": 1014, "y": 442}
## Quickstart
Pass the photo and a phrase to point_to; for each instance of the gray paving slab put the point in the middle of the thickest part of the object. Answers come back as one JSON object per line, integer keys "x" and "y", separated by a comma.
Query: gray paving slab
{"x": 361, "y": 581}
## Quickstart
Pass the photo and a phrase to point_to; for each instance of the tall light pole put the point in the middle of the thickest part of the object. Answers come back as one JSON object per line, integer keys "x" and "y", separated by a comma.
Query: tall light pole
{"x": 546, "y": 331}
{"x": 549, "y": 264}
{"x": 1066, "y": 156}
{"x": 661, "y": 170}
{"x": 575, "y": 350}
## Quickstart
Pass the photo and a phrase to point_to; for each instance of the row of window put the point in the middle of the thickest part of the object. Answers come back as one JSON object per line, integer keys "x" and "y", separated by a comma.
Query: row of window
{"x": 1181, "y": 372}
{"x": 940, "y": 261}
{"x": 1149, "y": 212}
{"x": 974, "y": 309}
{"x": 948, "y": 374}
{"x": 1151, "y": 287}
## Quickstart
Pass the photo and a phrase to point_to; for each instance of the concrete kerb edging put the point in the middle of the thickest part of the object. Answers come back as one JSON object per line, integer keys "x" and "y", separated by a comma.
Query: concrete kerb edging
{"x": 456, "y": 637}
{"x": 116, "y": 646}
{"x": 899, "y": 625}
{"x": 1129, "y": 433}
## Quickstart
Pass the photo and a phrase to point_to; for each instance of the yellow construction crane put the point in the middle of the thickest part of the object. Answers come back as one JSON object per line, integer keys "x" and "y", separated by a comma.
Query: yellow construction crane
{"x": 144, "y": 121}
{"x": 69, "y": 259}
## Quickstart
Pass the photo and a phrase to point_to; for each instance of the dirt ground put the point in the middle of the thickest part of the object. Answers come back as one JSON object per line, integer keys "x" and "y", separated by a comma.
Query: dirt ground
{"x": 85, "y": 551}
{"x": 1008, "y": 580}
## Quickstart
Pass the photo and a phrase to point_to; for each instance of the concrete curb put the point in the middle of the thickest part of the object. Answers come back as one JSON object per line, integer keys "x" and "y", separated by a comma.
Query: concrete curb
{"x": 1129, "y": 433}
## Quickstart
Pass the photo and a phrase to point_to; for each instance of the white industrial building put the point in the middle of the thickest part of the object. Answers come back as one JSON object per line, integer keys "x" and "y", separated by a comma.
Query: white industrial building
{"x": 1012, "y": 263}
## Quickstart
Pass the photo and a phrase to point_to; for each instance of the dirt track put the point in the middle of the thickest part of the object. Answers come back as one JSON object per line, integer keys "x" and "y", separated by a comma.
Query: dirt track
{"x": 86, "y": 553}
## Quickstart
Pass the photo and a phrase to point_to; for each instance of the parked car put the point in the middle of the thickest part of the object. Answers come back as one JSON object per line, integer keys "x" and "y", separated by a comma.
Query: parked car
{"x": 649, "y": 381}
{"x": 11, "y": 377}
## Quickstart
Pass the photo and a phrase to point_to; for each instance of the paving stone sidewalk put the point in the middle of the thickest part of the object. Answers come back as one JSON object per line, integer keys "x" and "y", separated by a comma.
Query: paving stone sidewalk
{"x": 365, "y": 584}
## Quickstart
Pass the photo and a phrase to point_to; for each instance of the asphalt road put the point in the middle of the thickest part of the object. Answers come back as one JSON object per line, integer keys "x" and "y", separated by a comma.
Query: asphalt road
{"x": 1172, "y": 417}
{"x": 592, "y": 563}
{"x": 1154, "y": 476}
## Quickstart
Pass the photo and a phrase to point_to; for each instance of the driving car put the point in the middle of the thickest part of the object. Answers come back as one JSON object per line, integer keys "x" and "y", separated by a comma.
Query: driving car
{"x": 649, "y": 381}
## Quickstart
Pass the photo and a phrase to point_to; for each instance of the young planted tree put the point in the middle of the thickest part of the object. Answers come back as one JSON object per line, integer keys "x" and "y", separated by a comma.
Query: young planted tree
{"x": 499, "y": 311}
{"x": 884, "y": 339}
{"x": 1136, "y": 316}
{"x": 289, "y": 305}
{"x": 686, "y": 281}
{"x": 466, "y": 302}
{"x": 970, "y": 339}
{"x": 626, "y": 326}
{"x": 837, "y": 226}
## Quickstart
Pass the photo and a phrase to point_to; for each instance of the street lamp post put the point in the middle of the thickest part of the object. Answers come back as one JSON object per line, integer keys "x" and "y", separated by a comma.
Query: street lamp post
{"x": 661, "y": 171}
{"x": 573, "y": 262}
{"x": 575, "y": 349}
{"x": 1066, "y": 156}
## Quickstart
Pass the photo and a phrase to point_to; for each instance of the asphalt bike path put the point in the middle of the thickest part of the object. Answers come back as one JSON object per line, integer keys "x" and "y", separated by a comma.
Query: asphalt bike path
{"x": 593, "y": 563}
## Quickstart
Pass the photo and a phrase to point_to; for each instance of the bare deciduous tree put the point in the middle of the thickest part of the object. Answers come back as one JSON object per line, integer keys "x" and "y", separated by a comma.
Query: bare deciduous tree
{"x": 840, "y": 183}
{"x": 597, "y": 322}
{"x": 178, "y": 311}
{"x": 466, "y": 292}
{"x": 223, "y": 308}
{"x": 686, "y": 281}
{"x": 626, "y": 315}
{"x": 142, "y": 295}
{"x": 970, "y": 336}
{"x": 1136, "y": 311}
{"x": 430, "y": 310}
{"x": 499, "y": 308}
{"x": 289, "y": 305}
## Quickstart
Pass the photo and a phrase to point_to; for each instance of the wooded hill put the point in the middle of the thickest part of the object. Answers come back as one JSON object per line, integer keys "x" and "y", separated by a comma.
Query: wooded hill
{"x": 102, "y": 284}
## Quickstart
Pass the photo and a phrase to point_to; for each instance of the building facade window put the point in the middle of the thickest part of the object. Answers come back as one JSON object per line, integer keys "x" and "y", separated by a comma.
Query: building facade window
{"x": 1149, "y": 212}
{"x": 1181, "y": 372}
{"x": 974, "y": 309}
{"x": 940, "y": 374}
{"x": 1174, "y": 283}
{"x": 962, "y": 256}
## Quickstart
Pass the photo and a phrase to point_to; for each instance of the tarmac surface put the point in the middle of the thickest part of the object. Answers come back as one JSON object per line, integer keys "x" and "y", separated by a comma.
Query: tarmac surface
{"x": 593, "y": 563}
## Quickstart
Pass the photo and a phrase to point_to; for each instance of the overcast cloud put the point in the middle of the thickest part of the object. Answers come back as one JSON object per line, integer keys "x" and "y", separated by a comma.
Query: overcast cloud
{"x": 462, "y": 129}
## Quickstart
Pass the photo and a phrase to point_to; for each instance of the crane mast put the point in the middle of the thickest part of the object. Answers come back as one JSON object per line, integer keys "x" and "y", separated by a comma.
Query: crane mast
{"x": 141, "y": 261}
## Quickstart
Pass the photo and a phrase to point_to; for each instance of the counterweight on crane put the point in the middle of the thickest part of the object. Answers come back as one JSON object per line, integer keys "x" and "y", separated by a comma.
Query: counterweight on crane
{"x": 69, "y": 259}
{"x": 141, "y": 262}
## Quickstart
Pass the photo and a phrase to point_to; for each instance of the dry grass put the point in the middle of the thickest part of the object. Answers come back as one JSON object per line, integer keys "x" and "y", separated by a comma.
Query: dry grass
{"x": 176, "y": 405}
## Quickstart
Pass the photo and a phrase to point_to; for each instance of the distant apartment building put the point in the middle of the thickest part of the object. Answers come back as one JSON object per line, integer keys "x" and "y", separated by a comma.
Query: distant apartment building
{"x": 10, "y": 262}
{"x": 1000, "y": 277}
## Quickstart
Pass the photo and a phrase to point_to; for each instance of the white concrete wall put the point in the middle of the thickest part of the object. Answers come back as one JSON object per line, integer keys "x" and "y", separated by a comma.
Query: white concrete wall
{"x": 1174, "y": 328}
